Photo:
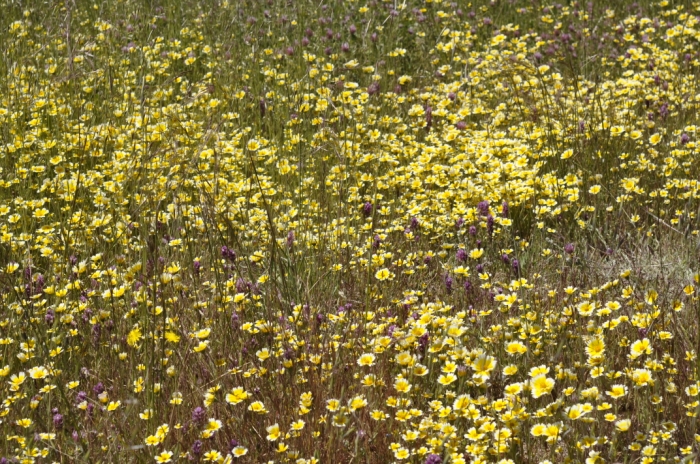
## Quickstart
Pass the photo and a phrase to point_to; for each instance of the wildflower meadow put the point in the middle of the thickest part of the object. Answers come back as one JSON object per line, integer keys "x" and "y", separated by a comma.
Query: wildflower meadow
{"x": 349, "y": 231}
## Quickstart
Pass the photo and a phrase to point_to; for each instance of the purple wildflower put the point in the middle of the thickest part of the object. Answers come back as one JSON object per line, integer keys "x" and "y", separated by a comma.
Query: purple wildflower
{"x": 242, "y": 286}
{"x": 198, "y": 415}
{"x": 49, "y": 317}
{"x": 483, "y": 207}
{"x": 367, "y": 209}
{"x": 448, "y": 283}
{"x": 461, "y": 255}
{"x": 197, "y": 447}
{"x": 228, "y": 253}
{"x": 80, "y": 397}
{"x": 424, "y": 341}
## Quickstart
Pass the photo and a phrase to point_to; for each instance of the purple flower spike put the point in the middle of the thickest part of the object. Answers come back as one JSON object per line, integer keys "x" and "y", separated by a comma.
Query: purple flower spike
{"x": 80, "y": 397}
{"x": 483, "y": 207}
{"x": 198, "y": 415}
{"x": 461, "y": 255}
{"x": 99, "y": 388}
{"x": 367, "y": 209}
{"x": 448, "y": 283}
{"x": 49, "y": 317}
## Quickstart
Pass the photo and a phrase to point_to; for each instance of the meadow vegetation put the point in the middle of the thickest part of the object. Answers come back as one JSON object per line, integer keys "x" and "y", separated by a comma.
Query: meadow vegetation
{"x": 349, "y": 231}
